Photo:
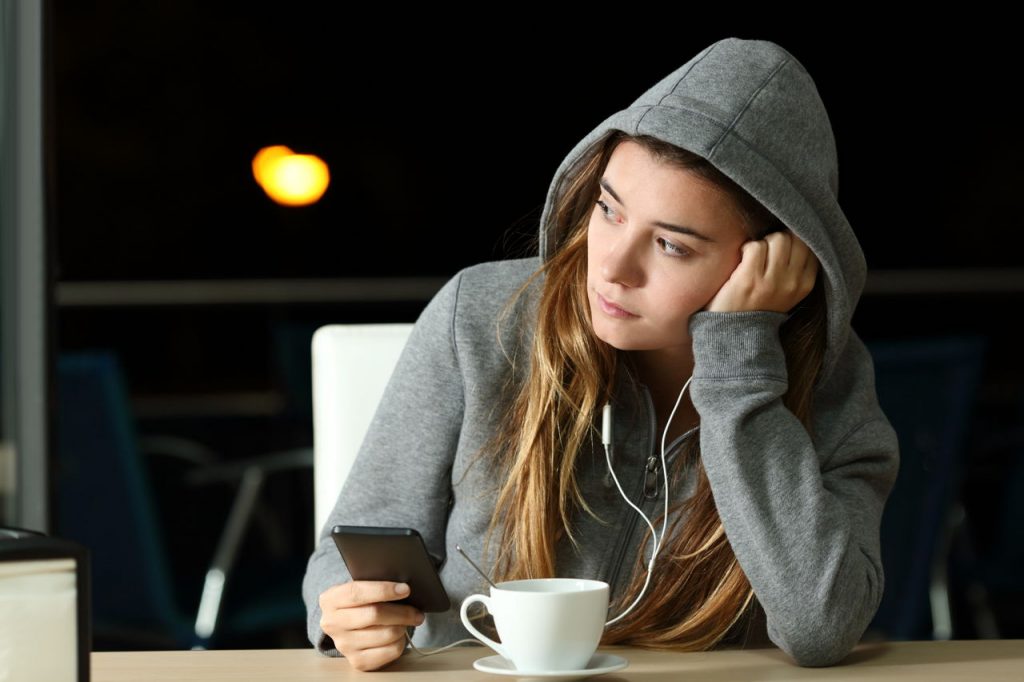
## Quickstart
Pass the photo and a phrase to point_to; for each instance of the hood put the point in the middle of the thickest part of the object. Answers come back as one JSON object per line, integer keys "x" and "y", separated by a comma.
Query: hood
{"x": 752, "y": 110}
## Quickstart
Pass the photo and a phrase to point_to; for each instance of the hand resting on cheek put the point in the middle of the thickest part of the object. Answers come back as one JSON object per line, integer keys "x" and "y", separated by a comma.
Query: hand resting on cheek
{"x": 774, "y": 274}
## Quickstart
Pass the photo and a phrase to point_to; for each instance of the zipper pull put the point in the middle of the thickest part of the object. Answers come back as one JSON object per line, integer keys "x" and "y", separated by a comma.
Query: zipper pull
{"x": 651, "y": 478}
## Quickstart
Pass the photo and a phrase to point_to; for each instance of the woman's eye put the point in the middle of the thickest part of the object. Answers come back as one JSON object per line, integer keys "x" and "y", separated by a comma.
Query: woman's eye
{"x": 671, "y": 248}
{"x": 605, "y": 210}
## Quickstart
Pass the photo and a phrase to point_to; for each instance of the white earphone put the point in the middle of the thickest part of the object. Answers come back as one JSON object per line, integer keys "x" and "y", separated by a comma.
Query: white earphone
{"x": 606, "y": 437}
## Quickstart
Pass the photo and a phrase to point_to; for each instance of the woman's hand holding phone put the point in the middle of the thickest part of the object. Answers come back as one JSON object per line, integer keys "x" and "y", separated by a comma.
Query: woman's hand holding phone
{"x": 367, "y": 629}
{"x": 774, "y": 274}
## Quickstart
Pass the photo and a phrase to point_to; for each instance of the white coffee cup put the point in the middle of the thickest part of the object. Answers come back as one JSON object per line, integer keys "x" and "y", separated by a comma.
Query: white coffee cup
{"x": 544, "y": 624}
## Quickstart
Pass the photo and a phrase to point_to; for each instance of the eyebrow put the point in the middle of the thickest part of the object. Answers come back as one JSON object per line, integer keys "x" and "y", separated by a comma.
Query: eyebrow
{"x": 681, "y": 229}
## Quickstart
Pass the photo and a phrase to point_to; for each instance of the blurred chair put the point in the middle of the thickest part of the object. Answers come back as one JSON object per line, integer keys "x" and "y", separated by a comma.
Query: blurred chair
{"x": 237, "y": 603}
{"x": 927, "y": 389}
{"x": 999, "y": 574}
{"x": 106, "y": 501}
{"x": 351, "y": 368}
{"x": 988, "y": 557}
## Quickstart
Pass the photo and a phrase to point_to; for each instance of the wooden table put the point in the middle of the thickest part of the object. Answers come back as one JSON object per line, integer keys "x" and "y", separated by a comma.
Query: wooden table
{"x": 971, "y": 661}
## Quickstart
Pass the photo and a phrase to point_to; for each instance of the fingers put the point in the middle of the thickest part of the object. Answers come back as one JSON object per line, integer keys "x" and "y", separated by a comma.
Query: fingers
{"x": 365, "y": 626}
{"x": 790, "y": 271}
{"x": 372, "y": 659}
{"x": 804, "y": 263}
{"x": 787, "y": 255}
{"x": 799, "y": 254}
{"x": 755, "y": 258}
{"x": 361, "y": 592}
{"x": 374, "y": 637}
{"x": 780, "y": 249}
{"x": 336, "y": 619}
{"x": 356, "y": 617}
{"x": 802, "y": 259}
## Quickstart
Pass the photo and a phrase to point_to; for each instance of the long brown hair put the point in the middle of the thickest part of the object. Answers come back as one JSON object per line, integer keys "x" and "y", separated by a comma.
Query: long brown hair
{"x": 702, "y": 590}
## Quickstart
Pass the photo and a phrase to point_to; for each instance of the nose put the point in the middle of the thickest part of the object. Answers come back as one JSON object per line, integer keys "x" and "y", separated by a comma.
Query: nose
{"x": 621, "y": 263}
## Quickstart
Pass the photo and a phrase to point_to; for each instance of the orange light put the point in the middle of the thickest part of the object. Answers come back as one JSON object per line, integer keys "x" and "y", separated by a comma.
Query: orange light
{"x": 264, "y": 157}
{"x": 288, "y": 178}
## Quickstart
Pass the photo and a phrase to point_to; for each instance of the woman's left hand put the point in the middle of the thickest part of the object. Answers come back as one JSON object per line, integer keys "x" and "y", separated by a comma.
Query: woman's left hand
{"x": 774, "y": 273}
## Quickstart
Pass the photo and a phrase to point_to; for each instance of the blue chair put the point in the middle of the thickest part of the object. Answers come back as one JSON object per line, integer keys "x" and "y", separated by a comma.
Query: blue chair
{"x": 105, "y": 501}
{"x": 987, "y": 558}
{"x": 927, "y": 389}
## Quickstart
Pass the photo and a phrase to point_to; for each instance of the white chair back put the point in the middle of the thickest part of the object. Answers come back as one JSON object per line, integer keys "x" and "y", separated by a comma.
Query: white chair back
{"x": 352, "y": 364}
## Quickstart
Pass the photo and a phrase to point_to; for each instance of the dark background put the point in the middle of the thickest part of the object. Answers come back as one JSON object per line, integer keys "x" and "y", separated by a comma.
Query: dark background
{"x": 439, "y": 141}
{"x": 442, "y": 134}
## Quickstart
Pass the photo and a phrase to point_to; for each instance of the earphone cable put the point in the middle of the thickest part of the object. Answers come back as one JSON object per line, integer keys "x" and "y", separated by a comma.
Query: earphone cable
{"x": 654, "y": 535}
{"x": 446, "y": 647}
{"x": 664, "y": 467}
{"x": 656, "y": 541}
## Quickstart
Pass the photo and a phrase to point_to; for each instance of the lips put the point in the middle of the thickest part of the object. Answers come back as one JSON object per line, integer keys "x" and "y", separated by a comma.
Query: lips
{"x": 612, "y": 308}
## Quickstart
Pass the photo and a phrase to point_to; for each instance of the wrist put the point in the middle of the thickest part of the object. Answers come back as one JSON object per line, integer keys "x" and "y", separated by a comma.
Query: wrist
{"x": 737, "y": 344}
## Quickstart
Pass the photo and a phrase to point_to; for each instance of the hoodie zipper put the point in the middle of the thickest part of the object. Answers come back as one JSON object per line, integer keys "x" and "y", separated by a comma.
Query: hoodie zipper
{"x": 648, "y": 488}
{"x": 651, "y": 478}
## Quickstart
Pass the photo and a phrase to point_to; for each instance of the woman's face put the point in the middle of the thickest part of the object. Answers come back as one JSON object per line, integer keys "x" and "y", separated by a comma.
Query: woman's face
{"x": 656, "y": 275}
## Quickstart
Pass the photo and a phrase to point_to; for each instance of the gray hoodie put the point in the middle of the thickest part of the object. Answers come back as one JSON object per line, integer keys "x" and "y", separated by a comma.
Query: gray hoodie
{"x": 802, "y": 512}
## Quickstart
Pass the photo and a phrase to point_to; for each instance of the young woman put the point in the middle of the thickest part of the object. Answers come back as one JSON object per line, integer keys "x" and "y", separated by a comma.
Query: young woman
{"x": 690, "y": 241}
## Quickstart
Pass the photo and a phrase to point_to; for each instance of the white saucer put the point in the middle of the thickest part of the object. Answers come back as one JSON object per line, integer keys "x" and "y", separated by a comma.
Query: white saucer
{"x": 599, "y": 665}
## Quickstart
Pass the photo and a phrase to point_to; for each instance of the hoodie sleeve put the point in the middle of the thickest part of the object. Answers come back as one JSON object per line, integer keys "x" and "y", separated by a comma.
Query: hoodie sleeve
{"x": 804, "y": 524}
{"x": 401, "y": 476}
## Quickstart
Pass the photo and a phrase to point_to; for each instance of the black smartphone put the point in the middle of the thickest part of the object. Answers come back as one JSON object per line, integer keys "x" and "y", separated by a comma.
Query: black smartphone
{"x": 395, "y": 554}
